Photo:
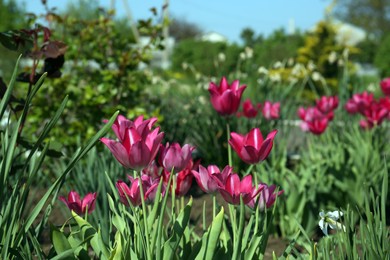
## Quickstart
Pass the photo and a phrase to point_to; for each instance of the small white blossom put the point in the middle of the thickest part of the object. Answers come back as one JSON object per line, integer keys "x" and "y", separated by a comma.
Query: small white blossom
{"x": 278, "y": 65}
{"x": 330, "y": 219}
{"x": 221, "y": 57}
{"x": 311, "y": 65}
{"x": 248, "y": 52}
{"x": 275, "y": 77}
{"x": 262, "y": 70}
{"x": 332, "y": 57}
{"x": 316, "y": 76}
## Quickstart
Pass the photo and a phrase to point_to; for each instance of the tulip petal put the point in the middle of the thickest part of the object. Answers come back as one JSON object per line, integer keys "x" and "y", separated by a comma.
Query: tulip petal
{"x": 118, "y": 150}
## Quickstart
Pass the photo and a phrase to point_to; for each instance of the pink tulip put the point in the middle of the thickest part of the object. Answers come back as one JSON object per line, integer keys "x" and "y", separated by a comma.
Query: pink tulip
{"x": 138, "y": 144}
{"x": 374, "y": 114}
{"x": 210, "y": 179}
{"x": 249, "y": 110}
{"x": 266, "y": 198}
{"x": 327, "y": 104}
{"x": 152, "y": 170}
{"x": 385, "y": 86}
{"x": 252, "y": 148}
{"x": 132, "y": 193}
{"x": 175, "y": 157}
{"x": 359, "y": 102}
{"x": 271, "y": 111}
{"x": 226, "y": 98}
{"x": 314, "y": 120}
{"x": 233, "y": 189}
{"x": 183, "y": 178}
{"x": 80, "y": 206}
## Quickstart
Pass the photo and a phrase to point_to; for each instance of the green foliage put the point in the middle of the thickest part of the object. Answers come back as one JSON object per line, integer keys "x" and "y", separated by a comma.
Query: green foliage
{"x": 12, "y": 17}
{"x": 101, "y": 73}
{"x": 204, "y": 56}
{"x": 319, "y": 46}
{"x": 370, "y": 15}
{"x": 279, "y": 46}
{"x": 20, "y": 228}
{"x": 382, "y": 59}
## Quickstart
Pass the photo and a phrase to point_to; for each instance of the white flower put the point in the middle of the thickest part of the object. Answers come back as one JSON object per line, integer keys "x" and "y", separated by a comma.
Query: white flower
{"x": 278, "y": 65}
{"x": 330, "y": 219}
{"x": 316, "y": 76}
{"x": 262, "y": 70}
{"x": 221, "y": 57}
{"x": 332, "y": 57}
{"x": 248, "y": 52}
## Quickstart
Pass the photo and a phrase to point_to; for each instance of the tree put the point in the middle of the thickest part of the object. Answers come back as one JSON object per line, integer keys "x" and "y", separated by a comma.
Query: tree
{"x": 180, "y": 29}
{"x": 371, "y": 15}
{"x": 12, "y": 15}
{"x": 248, "y": 36}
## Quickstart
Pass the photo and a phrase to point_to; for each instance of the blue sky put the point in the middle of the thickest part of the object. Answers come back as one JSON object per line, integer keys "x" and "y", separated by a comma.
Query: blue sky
{"x": 227, "y": 17}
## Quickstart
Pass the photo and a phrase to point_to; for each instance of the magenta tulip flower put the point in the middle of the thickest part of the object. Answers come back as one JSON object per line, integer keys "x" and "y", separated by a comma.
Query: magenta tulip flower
{"x": 210, "y": 179}
{"x": 226, "y": 98}
{"x": 121, "y": 124}
{"x": 327, "y": 104}
{"x": 80, "y": 206}
{"x": 249, "y": 110}
{"x": 138, "y": 146}
{"x": 252, "y": 148}
{"x": 385, "y": 86}
{"x": 266, "y": 198}
{"x": 374, "y": 114}
{"x": 314, "y": 120}
{"x": 233, "y": 189}
{"x": 359, "y": 102}
{"x": 183, "y": 178}
{"x": 271, "y": 110}
{"x": 175, "y": 157}
{"x": 132, "y": 193}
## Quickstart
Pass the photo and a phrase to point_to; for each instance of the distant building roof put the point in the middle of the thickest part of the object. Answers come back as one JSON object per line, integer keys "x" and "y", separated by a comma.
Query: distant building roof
{"x": 213, "y": 37}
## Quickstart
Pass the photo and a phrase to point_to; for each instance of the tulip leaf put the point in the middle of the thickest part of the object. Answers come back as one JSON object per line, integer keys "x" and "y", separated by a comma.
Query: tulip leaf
{"x": 99, "y": 247}
{"x": 87, "y": 230}
{"x": 248, "y": 230}
{"x": 211, "y": 237}
{"x": 59, "y": 240}
{"x": 179, "y": 226}
{"x": 254, "y": 245}
{"x": 116, "y": 253}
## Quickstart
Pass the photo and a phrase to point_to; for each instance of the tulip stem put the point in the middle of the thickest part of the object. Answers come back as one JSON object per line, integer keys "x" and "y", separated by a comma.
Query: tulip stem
{"x": 239, "y": 235}
{"x": 228, "y": 146}
{"x": 144, "y": 213}
{"x": 204, "y": 216}
{"x": 161, "y": 218}
{"x": 214, "y": 206}
{"x": 232, "y": 213}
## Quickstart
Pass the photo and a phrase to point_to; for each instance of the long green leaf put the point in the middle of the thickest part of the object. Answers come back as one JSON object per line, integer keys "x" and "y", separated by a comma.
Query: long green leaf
{"x": 76, "y": 158}
{"x": 179, "y": 226}
{"x": 8, "y": 93}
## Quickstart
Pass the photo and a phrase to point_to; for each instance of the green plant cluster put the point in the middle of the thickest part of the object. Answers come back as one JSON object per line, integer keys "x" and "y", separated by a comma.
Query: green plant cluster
{"x": 101, "y": 73}
{"x": 320, "y": 45}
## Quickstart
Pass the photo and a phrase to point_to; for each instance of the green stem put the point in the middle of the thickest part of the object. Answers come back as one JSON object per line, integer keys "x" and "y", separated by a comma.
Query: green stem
{"x": 238, "y": 238}
{"x": 144, "y": 213}
{"x": 229, "y": 147}
{"x": 214, "y": 205}
{"x": 233, "y": 222}
{"x": 204, "y": 216}
{"x": 161, "y": 218}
